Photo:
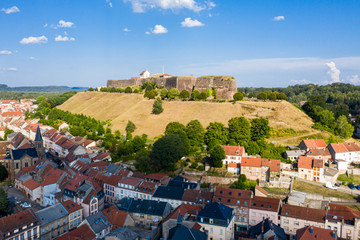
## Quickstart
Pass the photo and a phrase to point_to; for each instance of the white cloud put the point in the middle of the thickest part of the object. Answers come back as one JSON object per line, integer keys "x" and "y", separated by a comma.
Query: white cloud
{"x": 279, "y": 18}
{"x": 354, "y": 79}
{"x": 141, "y": 6}
{"x": 32, "y": 58}
{"x": 127, "y": 30}
{"x": 147, "y": 33}
{"x": 159, "y": 29}
{"x": 5, "y": 52}
{"x": 333, "y": 72}
{"x": 64, "y": 24}
{"x": 301, "y": 81}
{"x": 34, "y": 40}
{"x": 64, "y": 39}
{"x": 45, "y": 25}
{"x": 191, "y": 23}
{"x": 13, "y": 9}
{"x": 110, "y": 3}
{"x": 11, "y": 69}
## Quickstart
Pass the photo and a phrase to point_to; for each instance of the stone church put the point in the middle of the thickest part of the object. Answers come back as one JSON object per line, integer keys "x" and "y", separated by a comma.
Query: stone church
{"x": 24, "y": 157}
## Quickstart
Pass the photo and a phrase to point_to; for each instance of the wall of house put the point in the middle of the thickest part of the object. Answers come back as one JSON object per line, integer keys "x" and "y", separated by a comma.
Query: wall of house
{"x": 291, "y": 225}
{"x": 256, "y": 216}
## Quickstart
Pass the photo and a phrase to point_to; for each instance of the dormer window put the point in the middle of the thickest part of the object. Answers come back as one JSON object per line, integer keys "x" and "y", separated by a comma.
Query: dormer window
{"x": 230, "y": 193}
{"x": 239, "y": 194}
{"x": 221, "y": 192}
{"x": 262, "y": 205}
{"x": 228, "y": 200}
{"x": 210, "y": 220}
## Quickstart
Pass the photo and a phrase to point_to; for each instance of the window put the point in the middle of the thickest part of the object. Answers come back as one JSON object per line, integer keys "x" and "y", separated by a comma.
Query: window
{"x": 64, "y": 221}
{"x": 239, "y": 194}
{"x": 43, "y": 230}
{"x": 34, "y": 231}
{"x": 253, "y": 214}
{"x": 296, "y": 223}
{"x": 245, "y": 202}
{"x": 230, "y": 193}
{"x": 211, "y": 230}
{"x": 221, "y": 231}
{"x": 64, "y": 228}
{"x": 238, "y": 201}
{"x": 71, "y": 216}
{"x": 221, "y": 192}
{"x": 286, "y": 221}
{"x": 58, "y": 223}
{"x": 201, "y": 220}
{"x": 47, "y": 229}
{"x": 52, "y": 226}
{"x": 210, "y": 220}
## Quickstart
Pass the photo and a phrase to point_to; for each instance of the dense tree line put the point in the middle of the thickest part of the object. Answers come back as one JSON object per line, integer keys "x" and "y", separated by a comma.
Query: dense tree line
{"x": 21, "y": 95}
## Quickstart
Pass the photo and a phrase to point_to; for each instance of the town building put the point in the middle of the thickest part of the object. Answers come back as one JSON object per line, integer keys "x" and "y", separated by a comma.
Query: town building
{"x": 98, "y": 223}
{"x": 311, "y": 144}
{"x": 349, "y": 152}
{"x": 315, "y": 233}
{"x": 264, "y": 207}
{"x": 311, "y": 169}
{"x": 266, "y": 170}
{"x": 233, "y": 154}
{"x": 74, "y": 213}
{"x": 266, "y": 229}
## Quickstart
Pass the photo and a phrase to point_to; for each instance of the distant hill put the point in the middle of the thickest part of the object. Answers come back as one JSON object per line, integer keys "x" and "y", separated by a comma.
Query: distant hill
{"x": 121, "y": 108}
{"x": 4, "y": 87}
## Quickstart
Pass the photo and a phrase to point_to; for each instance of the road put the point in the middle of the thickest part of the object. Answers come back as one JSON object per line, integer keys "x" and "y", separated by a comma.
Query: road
{"x": 16, "y": 197}
{"x": 342, "y": 188}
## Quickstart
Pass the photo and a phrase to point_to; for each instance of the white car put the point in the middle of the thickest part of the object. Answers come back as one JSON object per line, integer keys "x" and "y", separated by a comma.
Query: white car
{"x": 329, "y": 185}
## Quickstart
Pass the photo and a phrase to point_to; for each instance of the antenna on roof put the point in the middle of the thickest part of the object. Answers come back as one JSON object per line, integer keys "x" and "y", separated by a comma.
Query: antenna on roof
{"x": 163, "y": 69}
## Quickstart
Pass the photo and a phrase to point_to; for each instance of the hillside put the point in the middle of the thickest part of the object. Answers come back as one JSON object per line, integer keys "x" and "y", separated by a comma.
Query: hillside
{"x": 122, "y": 107}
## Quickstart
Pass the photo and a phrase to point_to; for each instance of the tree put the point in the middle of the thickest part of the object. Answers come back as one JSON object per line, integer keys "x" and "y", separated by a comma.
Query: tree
{"x": 281, "y": 96}
{"x": 157, "y": 106}
{"x": 262, "y": 96}
{"x": 184, "y": 94}
{"x": 238, "y": 96}
{"x": 90, "y": 89}
{"x": 203, "y": 95}
{"x": 117, "y": 134}
{"x": 216, "y": 133}
{"x": 343, "y": 128}
{"x": 167, "y": 151}
{"x": 195, "y": 94}
{"x": 173, "y": 93}
{"x": 272, "y": 96}
{"x": 239, "y": 130}
{"x": 151, "y": 94}
{"x": 142, "y": 161}
{"x": 138, "y": 143}
{"x": 130, "y": 126}
{"x": 3, "y": 173}
{"x": 195, "y": 133}
{"x": 214, "y": 94}
{"x": 326, "y": 118}
{"x": 217, "y": 154}
{"x": 174, "y": 127}
{"x": 259, "y": 129}
{"x": 163, "y": 93}
{"x": 128, "y": 90}
{"x": 4, "y": 203}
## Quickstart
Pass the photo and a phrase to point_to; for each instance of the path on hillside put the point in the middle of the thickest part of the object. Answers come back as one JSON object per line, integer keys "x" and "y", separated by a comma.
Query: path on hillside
{"x": 296, "y": 139}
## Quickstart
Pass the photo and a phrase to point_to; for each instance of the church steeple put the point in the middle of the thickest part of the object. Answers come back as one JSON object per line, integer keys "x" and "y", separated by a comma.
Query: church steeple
{"x": 39, "y": 142}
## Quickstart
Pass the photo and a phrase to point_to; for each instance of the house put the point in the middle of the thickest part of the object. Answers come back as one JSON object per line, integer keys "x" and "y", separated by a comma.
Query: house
{"x": 63, "y": 125}
{"x": 126, "y": 187}
{"x": 75, "y": 213}
{"x": 172, "y": 195}
{"x": 118, "y": 218}
{"x": 110, "y": 183}
{"x": 323, "y": 154}
{"x": 161, "y": 178}
{"x": 267, "y": 230}
{"x": 315, "y": 233}
{"x": 310, "y": 144}
{"x": 311, "y": 169}
{"x": 52, "y": 178}
{"x": 197, "y": 197}
{"x": 53, "y": 221}
{"x": 233, "y": 154}
{"x": 145, "y": 74}
{"x": 234, "y": 168}
{"x": 217, "y": 220}
{"x": 180, "y": 232}
{"x": 293, "y": 218}
{"x": 122, "y": 234}
{"x": 264, "y": 207}
{"x": 349, "y": 152}
{"x": 188, "y": 214}
{"x": 146, "y": 213}
{"x": 21, "y": 225}
{"x": 32, "y": 190}
{"x": 239, "y": 200}
{"x": 267, "y": 170}
{"x": 294, "y": 155}
{"x": 82, "y": 232}
{"x": 98, "y": 223}
{"x": 344, "y": 220}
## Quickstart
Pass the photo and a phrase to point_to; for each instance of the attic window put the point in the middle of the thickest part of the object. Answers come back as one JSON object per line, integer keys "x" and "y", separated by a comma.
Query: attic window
{"x": 269, "y": 206}
{"x": 254, "y": 205}
{"x": 286, "y": 213}
{"x": 221, "y": 192}
{"x": 229, "y": 200}
{"x": 262, "y": 205}
{"x": 219, "y": 198}
{"x": 239, "y": 194}
{"x": 230, "y": 193}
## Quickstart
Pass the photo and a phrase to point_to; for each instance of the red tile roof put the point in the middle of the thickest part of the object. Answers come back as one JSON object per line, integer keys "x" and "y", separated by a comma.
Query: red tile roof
{"x": 309, "y": 214}
{"x": 233, "y": 165}
{"x": 235, "y": 197}
{"x": 342, "y": 212}
{"x": 310, "y": 162}
{"x": 315, "y": 143}
{"x": 71, "y": 206}
{"x": 83, "y": 232}
{"x": 31, "y": 184}
{"x": 157, "y": 176}
{"x": 318, "y": 152}
{"x": 274, "y": 164}
{"x": 17, "y": 220}
{"x": 261, "y": 190}
{"x": 191, "y": 210}
{"x": 115, "y": 216}
{"x": 131, "y": 181}
{"x": 113, "y": 180}
{"x": 234, "y": 150}
{"x": 265, "y": 203}
{"x": 314, "y": 233}
{"x": 345, "y": 147}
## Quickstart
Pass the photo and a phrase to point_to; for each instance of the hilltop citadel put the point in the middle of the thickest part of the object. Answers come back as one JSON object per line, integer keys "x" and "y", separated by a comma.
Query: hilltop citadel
{"x": 225, "y": 86}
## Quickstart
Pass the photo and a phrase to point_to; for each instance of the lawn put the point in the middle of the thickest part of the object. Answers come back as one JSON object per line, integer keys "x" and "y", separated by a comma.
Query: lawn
{"x": 350, "y": 179}
{"x": 310, "y": 188}
{"x": 277, "y": 191}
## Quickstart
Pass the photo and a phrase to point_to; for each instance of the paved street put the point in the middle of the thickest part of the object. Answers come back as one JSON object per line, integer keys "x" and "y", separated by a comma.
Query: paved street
{"x": 17, "y": 197}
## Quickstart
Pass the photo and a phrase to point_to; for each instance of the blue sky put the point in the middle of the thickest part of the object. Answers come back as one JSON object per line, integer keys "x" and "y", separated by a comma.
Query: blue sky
{"x": 259, "y": 42}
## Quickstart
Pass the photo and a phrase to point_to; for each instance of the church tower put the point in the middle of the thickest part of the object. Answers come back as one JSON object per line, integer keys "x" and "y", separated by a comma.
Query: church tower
{"x": 39, "y": 143}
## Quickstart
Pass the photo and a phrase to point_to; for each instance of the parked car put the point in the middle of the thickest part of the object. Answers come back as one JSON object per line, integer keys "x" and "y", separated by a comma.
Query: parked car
{"x": 351, "y": 186}
{"x": 10, "y": 186}
{"x": 329, "y": 185}
{"x": 358, "y": 187}
{"x": 338, "y": 184}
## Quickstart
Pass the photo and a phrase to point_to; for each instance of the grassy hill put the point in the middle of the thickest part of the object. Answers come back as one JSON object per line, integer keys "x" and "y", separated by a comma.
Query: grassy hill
{"x": 122, "y": 107}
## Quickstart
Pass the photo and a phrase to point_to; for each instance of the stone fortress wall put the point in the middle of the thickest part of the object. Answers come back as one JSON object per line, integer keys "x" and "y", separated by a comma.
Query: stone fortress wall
{"x": 225, "y": 85}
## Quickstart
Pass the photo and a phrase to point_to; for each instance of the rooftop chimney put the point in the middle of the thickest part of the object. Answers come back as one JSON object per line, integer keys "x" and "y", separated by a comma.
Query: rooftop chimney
{"x": 333, "y": 235}
{"x": 311, "y": 230}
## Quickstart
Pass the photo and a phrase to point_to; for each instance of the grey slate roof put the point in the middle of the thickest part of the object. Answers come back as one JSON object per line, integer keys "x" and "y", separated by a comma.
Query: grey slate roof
{"x": 112, "y": 168}
{"x": 265, "y": 226}
{"x": 169, "y": 192}
{"x": 149, "y": 207}
{"x": 180, "y": 232}
{"x": 295, "y": 153}
{"x": 217, "y": 211}
{"x": 51, "y": 214}
{"x": 98, "y": 222}
{"x": 123, "y": 233}
{"x": 38, "y": 136}
{"x": 19, "y": 153}
{"x": 182, "y": 182}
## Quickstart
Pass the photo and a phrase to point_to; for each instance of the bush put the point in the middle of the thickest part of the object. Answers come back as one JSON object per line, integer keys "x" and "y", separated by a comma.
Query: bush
{"x": 262, "y": 96}
{"x": 194, "y": 165}
{"x": 184, "y": 94}
{"x": 203, "y": 95}
{"x": 173, "y": 93}
{"x": 201, "y": 168}
{"x": 136, "y": 91}
{"x": 128, "y": 90}
{"x": 157, "y": 106}
{"x": 195, "y": 94}
{"x": 238, "y": 96}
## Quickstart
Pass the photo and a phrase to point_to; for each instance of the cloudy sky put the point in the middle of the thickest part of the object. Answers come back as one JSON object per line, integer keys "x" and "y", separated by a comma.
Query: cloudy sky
{"x": 260, "y": 42}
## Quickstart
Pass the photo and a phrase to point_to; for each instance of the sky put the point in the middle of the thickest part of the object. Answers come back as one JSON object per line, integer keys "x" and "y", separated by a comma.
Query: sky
{"x": 262, "y": 43}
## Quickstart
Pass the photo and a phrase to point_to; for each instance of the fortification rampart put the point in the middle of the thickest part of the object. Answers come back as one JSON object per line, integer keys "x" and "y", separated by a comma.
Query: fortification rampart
{"x": 225, "y": 86}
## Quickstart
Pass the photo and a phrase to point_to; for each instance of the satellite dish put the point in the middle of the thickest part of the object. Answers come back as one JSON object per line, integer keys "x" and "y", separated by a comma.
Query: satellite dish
{"x": 156, "y": 219}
